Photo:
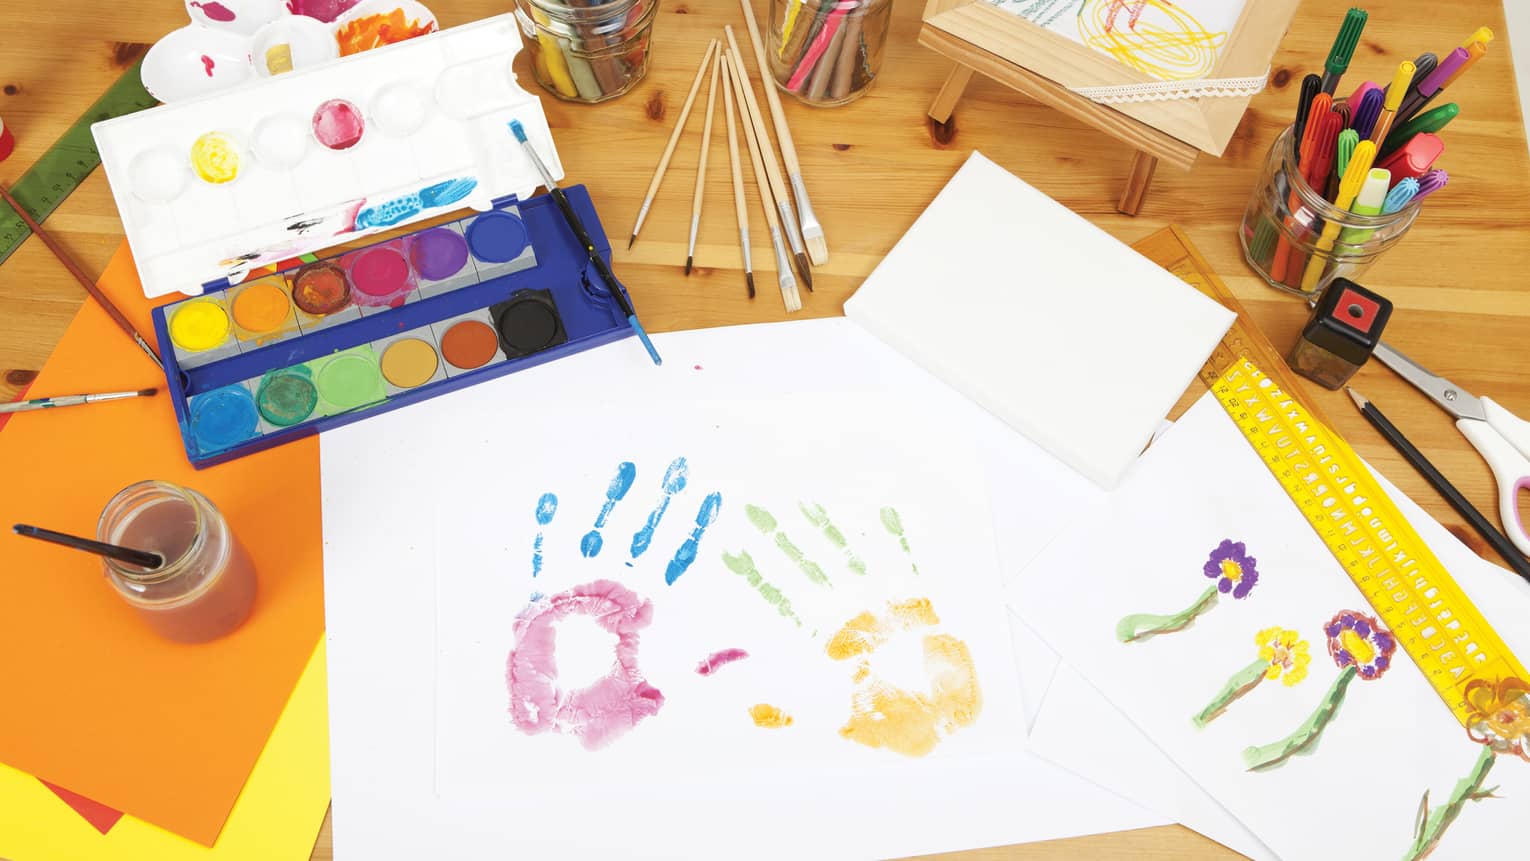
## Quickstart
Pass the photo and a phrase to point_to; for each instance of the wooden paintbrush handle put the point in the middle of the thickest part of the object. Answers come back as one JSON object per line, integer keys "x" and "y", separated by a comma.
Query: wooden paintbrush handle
{"x": 777, "y": 115}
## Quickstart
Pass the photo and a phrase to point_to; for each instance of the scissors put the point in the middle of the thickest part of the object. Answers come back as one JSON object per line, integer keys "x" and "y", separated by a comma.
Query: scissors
{"x": 1502, "y": 438}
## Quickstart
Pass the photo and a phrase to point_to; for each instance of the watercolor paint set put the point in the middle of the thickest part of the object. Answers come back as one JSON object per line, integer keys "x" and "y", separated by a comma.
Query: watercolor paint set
{"x": 345, "y": 337}
{"x": 213, "y": 188}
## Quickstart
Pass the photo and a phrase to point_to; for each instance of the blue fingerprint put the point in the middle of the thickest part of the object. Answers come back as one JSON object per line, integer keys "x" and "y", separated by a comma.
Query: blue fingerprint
{"x": 622, "y": 482}
{"x": 687, "y": 552}
{"x": 674, "y": 482}
{"x": 547, "y": 506}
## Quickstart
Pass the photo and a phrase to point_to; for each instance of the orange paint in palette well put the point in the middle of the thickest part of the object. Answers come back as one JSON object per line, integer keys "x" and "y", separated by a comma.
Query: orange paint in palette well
{"x": 262, "y": 310}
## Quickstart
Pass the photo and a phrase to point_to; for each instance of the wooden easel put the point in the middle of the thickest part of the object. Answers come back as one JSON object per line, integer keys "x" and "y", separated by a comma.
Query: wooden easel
{"x": 979, "y": 38}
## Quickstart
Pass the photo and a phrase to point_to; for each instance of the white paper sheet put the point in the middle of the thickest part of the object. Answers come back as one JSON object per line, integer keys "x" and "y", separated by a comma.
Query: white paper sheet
{"x": 1170, "y": 40}
{"x": 1357, "y": 791}
{"x": 1031, "y": 311}
{"x": 382, "y": 485}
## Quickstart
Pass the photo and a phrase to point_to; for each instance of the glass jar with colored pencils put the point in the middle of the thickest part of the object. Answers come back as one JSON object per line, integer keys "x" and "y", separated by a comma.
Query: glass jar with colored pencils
{"x": 827, "y": 52}
{"x": 1301, "y": 230}
{"x": 587, "y": 50}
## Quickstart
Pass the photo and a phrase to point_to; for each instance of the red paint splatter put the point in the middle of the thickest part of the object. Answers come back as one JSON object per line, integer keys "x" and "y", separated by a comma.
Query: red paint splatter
{"x": 718, "y": 660}
{"x": 207, "y": 64}
{"x": 696, "y": 368}
{"x": 215, "y": 11}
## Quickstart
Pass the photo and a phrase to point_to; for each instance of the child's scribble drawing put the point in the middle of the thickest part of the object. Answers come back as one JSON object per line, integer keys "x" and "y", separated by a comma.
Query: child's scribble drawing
{"x": 1161, "y": 38}
{"x": 603, "y": 711}
{"x": 621, "y": 483}
{"x": 1283, "y": 655}
{"x": 1233, "y": 570}
{"x": 1501, "y": 724}
{"x": 547, "y": 506}
{"x": 907, "y": 722}
{"x": 1360, "y": 647}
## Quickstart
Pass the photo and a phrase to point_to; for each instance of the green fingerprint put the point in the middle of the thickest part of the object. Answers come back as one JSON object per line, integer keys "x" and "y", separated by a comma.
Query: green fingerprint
{"x": 743, "y": 566}
{"x": 766, "y": 522}
{"x": 894, "y": 525}
{"x": 817, "y": 516}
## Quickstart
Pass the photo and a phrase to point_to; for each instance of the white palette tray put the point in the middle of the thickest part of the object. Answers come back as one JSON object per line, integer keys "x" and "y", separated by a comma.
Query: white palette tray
{"x": 435, "y": 109}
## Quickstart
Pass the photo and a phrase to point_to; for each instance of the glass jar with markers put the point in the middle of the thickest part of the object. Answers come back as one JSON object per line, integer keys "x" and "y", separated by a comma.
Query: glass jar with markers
{"x": 827, "y": 52}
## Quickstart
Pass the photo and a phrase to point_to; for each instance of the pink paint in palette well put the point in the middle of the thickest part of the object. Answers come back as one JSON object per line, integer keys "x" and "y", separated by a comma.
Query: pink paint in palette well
{"x": 381, "y": 277}
{"x": 718, "y": 660}
{"x": 338, "y": 124}
{"x": 608, "y": 708}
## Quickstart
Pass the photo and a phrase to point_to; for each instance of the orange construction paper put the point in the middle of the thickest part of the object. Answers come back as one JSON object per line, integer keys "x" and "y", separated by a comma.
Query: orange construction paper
{"x": 94, "y": 700}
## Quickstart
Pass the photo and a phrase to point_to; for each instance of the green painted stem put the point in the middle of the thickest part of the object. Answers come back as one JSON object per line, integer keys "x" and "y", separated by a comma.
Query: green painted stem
{"x": 1306, "y": 735}
{"x": 1432, "y": 828}
{"x": 1241, "y": 683}
{"x": 1140, "y": 626}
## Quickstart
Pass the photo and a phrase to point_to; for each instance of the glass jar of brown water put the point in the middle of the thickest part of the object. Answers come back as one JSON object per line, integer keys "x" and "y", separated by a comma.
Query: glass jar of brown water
{"x": 204, "y": 588}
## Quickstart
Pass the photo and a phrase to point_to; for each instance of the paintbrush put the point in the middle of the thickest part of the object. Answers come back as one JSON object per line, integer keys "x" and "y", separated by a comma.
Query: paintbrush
{"x": 80, "y": 276}
{"x": 812, "y": 231}
{"x": 1343, "y": 49}
{"x": 584, "y": 239}
{"x": 73, "y": 400}
{"x": 740, "y": 208}
{"x": 701, "y": 165}
{"x": 141, "y": 558}
{"x": 756, "y": 119}
{"x": 788, "y": 281}
{"x": 669, "y": 148}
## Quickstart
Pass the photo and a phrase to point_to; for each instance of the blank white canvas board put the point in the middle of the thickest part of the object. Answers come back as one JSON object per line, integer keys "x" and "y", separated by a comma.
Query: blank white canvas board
{"x": 1066, "y": 334}
{"x": 404, "y": 788}
{"x": 1355, "y": 791}
{"x": 1170, "y": 40}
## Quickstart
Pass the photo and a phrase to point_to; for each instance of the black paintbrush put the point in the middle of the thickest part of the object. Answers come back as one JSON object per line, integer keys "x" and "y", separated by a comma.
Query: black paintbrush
{"x": 141, "y": 558}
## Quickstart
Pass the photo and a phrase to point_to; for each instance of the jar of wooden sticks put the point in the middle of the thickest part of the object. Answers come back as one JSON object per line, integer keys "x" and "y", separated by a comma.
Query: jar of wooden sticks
{"x": 587, "y": 50}
{"x": 827, "y": 52}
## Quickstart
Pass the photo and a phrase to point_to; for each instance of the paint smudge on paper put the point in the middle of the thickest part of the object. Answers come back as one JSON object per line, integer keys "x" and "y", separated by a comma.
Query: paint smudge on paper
{"x": 883, "y": 715}
{"x": 547, "y": 506}
{"x": 817, "y": 516}
{"x": 743, "y": 565}
{"x": 766, "y": 522}
{"x": 686, "y": 554}
{"x": 214, "y": 11}
{"x": 717, "y": 660}
{"x": 674, "y": 482}
{"x": 893, "y": 523}
{"x": 620, "y": 483}
{"x": 374, "y": 31}
{"x": 603, "y": 711}
{"x": 207, "y": 65}
{"x": 767, "y": 716}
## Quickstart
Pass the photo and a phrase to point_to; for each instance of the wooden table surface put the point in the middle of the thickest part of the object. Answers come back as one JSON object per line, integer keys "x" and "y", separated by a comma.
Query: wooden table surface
{"x": 1462, "y": 297}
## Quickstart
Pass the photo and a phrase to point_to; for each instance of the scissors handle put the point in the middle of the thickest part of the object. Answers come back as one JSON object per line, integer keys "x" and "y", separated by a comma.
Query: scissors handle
{"x": 1504, "y": 441}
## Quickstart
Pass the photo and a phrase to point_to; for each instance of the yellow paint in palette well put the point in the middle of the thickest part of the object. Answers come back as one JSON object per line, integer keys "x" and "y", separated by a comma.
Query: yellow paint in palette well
{"x": 199, "y": 325}
{"x": 768, "y": 716}
{"x": 215, "y": 158}
{"x": 409, "y": 362}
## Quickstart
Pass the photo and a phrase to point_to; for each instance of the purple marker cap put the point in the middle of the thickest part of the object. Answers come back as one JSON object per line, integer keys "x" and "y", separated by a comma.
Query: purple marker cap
{"x": 1444, "y": 70}
{"x": 1430, "y": 182}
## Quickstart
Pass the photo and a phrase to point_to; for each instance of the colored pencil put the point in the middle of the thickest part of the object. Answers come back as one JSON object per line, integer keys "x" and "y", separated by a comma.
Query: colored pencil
{"x": 669, "y": 148}
{"x": 80, "y": 276}
{"x": 787, "y": 281}
{"x": 141, "y": 558}
{"x": 701, "y": 164}
{"x": 740, "y": 208}
{"x": 812, "y": 231}
{"x": 1439, "y": 482}
{"x": 73, "y": 400}
{"x": 756, "y": 119}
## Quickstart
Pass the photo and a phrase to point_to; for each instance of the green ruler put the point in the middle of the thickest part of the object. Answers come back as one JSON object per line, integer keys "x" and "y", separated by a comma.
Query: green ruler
{"x": 71, "y": 158}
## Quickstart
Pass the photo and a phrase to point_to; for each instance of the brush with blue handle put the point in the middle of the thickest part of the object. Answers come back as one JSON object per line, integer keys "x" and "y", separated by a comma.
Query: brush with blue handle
{"x": 584, "y": 239}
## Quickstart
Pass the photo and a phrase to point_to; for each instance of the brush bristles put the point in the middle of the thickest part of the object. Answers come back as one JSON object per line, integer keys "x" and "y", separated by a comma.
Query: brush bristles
{"x": 749, "y": 280}
{"x": 688, "y": 262}
{"x": 804, "y": 271}
{"x": 817, "y": 245}
{"x": 147, "y": 393}
{"x": 789, "y": 294}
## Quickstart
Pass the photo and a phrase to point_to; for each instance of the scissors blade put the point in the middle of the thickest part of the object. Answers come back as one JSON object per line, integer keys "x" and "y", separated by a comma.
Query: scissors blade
{"x": 1454, "y": 400}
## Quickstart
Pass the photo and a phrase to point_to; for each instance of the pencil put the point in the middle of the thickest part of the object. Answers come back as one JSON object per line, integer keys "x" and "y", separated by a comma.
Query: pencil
{"x": 80, "y": 276}
{"x": 739, "y": 208}
{"x": 784, "y": 276}
{"x": 756, "y": 119}
{"x": 812, "y": 231}
{"x": 1410, "y": 453}
{"x": 701, "y": 164}
{"x": 73, "y": 400}
{"x": 669, "y": 148}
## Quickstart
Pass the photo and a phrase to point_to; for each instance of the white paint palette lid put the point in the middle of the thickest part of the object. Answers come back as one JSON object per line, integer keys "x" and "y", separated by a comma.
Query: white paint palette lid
{"x": 212, "y": 188}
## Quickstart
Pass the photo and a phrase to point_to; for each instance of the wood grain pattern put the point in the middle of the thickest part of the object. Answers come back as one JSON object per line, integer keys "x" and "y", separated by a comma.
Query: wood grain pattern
{"x": 1463, "y": 303}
